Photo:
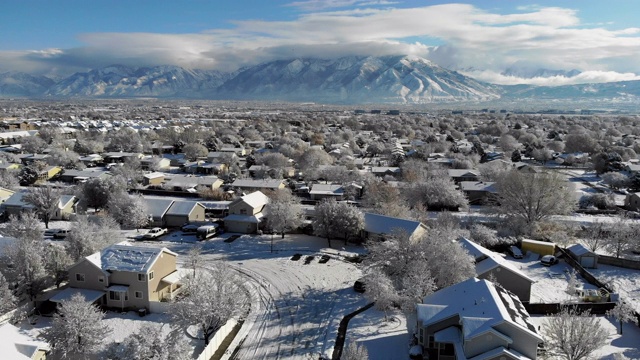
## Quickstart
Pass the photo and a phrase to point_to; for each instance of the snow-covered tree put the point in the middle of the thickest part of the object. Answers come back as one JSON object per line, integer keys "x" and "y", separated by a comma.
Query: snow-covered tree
{"x": 337, "y": 219}
{"x": 149, "y": 343}
{"x": 435, "y": 191}
{"x": 194, "y": 151}
{"x": 7, "y": 300}
{"x": 573, "y": 335}
{"x": 283, "y": 212}
{"x": 23, "y": 258}
{"x": 212, "y": 297}
{"x": 380, "y": 289}
{"x": 96, "y": 192}
{"x": 86, "y": 237}
{"x": 621, "y": 236}
{"x": 616, "y": 180}
{"x": 572, "y": 282}
{"x": 45, "y": 200}
{"x": 56, "y": 263}
{"x": 128, "y": 211}
{"x": 76, "y": 330}
{"x": 483, "y": 235}
{"x": 623, "y": 312}
{"x": 354, "y": 351}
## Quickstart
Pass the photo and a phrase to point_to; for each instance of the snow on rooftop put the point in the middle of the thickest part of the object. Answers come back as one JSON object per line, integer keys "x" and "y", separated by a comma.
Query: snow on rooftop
{"x": 129, "y": 258}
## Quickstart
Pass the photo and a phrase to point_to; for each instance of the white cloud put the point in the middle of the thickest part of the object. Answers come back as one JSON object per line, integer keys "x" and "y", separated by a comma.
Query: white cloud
{"x": 315, "y": 5}
{"x": 582, "y": 78}
{"x": 470, "y": 37}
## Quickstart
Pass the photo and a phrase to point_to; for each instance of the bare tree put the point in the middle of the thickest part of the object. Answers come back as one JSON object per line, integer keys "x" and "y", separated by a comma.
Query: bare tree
{"x": 45, "y": 200}
{"x": 534, "y": 197}
{"x": 574, "y": 335}
{"x": 621, "y": 236}
{"x": 194, "y": 258}
{"x": 56, "y": 263}
{"x": 195, "y": 151}
{"x": 77, "y": 330}
{"x": 283, "y": 212}
{"x": 355, "y": 351}
{"x": 623, "y": 312}
{"x": 211, "y": 298}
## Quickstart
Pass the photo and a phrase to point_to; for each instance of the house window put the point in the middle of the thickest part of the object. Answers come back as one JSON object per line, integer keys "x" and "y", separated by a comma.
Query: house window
{"x": 142, "y": 277}
{"x": 79, "y": 277}
{"x": 118, "y": 296}
{"x": 101, "y": 278}
{"x": 138, "y": 294}
{"x": 243, "y": 211}
{"x": 432, "y": 343}
{"x": 151, "y": 275}
{"x": 447, "y": 350}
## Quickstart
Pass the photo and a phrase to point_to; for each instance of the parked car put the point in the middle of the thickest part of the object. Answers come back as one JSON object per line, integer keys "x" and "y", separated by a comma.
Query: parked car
{"x": 154, "y": 233}
{"x": 51, "y": 232}
{"x": 515, "y": 252}
{"x": 324, "y": 259}
{"x": 549, "y": 260}
{"x": 61, "y": 234}
{"x": 207, "y": 231}
{"x": 190, "y": 228}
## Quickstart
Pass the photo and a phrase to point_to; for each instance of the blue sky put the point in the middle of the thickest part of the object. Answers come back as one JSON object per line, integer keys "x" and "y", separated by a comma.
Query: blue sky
{"x": 600, "y": 38}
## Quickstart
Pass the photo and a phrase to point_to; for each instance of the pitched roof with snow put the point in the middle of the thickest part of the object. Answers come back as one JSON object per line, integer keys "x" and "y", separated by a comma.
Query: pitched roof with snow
{"x": 487, "y": 260}
{"x": 480, "y": 306}
{"x": 184, "y": 207}
{"x": 257, "y": 184}
{"x": 579, "y": 250}
{"x": 327, "y": 189}
{"x": 128, "y": 258}
{"x": 381, "y": 224}
{"x": 255, "y": 199}
{"x": 17, "y": 346}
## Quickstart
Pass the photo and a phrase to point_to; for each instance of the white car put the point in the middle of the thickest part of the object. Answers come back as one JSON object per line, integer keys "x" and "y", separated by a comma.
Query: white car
{"x": 154, "y": 233}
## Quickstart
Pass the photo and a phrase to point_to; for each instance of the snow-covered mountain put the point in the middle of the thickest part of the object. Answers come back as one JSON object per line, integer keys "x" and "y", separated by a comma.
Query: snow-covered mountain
{"x": 19, "y": 84}
{"x": 349, "y": 80}
{"x": 122, "y": 81}
{"x": 530, "y": 73}
{"x": 396, "y": 79}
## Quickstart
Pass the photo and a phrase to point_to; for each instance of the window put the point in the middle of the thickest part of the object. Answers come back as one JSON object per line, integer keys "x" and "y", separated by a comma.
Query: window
{"x": 79, "y": 277}
{"x": 151, "y": 275}
{"x": 138, "y": 294}
{"x": 101, "y": 278}
{"x": 243, "y": 211}
{"x": 142, "y": 277}
{"x": 113, "y": 295}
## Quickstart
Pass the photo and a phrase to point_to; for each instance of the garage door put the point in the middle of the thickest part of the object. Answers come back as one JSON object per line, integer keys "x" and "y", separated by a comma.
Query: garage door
{"x": 588, "y": 262}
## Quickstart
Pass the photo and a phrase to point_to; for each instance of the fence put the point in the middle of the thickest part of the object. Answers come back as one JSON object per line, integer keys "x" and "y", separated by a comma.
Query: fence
{"x": 624, "y": 263}
{"x": 217, "y": 340}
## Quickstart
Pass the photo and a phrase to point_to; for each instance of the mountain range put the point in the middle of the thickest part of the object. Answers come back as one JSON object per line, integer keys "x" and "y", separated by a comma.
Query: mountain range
{"x": 347, "y": 80}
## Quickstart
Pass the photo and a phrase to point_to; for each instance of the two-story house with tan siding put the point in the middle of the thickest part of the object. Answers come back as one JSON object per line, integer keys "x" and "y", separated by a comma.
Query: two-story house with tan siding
{"x": 245, "y": 213}
{"x": 128, "y": 277}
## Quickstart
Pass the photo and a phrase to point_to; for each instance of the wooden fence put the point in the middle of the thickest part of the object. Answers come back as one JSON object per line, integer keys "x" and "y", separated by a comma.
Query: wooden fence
{"x": 624, "y": 263}
{"x": 217, "y": 340}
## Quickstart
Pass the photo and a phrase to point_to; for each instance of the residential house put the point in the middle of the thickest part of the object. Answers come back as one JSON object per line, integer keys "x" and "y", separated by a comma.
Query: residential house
{"x": 252, "y": 184}
{"x": 184, "y": 211}
{"x": 49, "y": 172}
{"x": 77, "y": 176}
{"x": 155, "y": 163}
{"x": 632, "y": 201}
{"x": 124, "y": 277}
{"x": 491, "y": 265}
{"x": 478, "y": 192}
{"x": 153, "y": 179}
{"x": 190, "y": 183}
{"x": 91, "y": 160}
{"x": 157, "y": 208}
{"x": 9, "y": 166}
{"x": 475, "y": 319}
{"x": 5, "y": 194}
{"x": 120, "y": 156}
{"x": 376, "y": 225}
{"x": 245, "y": 213}
{"x": 175, "y": 159}
{"x": 326, "y": 191}
{"x": 219, "y": 157}
{"x": 16, "y": 345}
{"x": 16, "y": 204}
{"x": 237, "y": 149}
{"x": 29, "y": 159}
{"x": 216, "y": 209}
{"x": 459, "y": 175}
{"x": 383, "y": 171}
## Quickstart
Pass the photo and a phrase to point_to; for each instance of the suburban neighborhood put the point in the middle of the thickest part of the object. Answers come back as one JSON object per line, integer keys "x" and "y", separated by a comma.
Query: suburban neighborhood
{"x": 217, "y": 230}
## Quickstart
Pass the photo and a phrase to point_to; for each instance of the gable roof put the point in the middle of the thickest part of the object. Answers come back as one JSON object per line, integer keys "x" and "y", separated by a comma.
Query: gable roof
{"x": 256, "y": 199}
{"x": 487, "y": 260}
{"x": 579, "y": 250}
{"x": 183, "y": 207}
{"x": 478, "y": 186}
{"x": 327, "y": 189}
{"x": 250, "y": 183}
{"x": 18, "y": 346}
{"x": 479, "y": 304}
{"x": 385, "y": 225}
{"x": 157, "y": 207}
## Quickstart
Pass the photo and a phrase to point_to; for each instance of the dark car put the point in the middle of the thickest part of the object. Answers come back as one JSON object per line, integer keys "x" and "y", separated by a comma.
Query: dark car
{"x": 308, "y": 260}
{"x": 296, "y": 257}
{"x": 359, "y": 286}
{"x": 324, "y": 259}
{"x": 515, "y": 252}
{"x": 190, "y": 228}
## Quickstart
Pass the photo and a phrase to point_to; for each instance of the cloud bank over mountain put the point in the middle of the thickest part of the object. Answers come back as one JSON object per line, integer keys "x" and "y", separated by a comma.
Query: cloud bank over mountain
{"x": 456, "y": 36}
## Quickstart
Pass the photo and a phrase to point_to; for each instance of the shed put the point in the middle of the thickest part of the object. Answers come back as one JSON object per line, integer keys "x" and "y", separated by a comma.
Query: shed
{"x": 587, "y": 258}
{"x": 539, "y": 247}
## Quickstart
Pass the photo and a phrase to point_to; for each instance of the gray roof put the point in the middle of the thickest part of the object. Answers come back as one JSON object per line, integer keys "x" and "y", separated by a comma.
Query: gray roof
{"x": 257, "y": 184}
{"x": 380, "y": 224}
{"x": 15, "y": 200}
{"x": 157, "y": 207}
{"x": 579, "y": 250}
{"x": 478, "y": 186}
{"x": 184, "y": 207}
{"x": 84, "y": 173}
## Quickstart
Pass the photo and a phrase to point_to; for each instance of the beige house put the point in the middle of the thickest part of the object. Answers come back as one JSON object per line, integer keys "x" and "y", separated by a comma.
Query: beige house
{"x": 125, "y": 277}
{"x": 184, "y": 211}
{"x": 475, "y": 319}
{"x": 15, "y": 204}
{"x": 5, "y": 194}
{"x": 154, "y": 178}
{"x": 16, "y": 345}
{"x": 245, "y": 213}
